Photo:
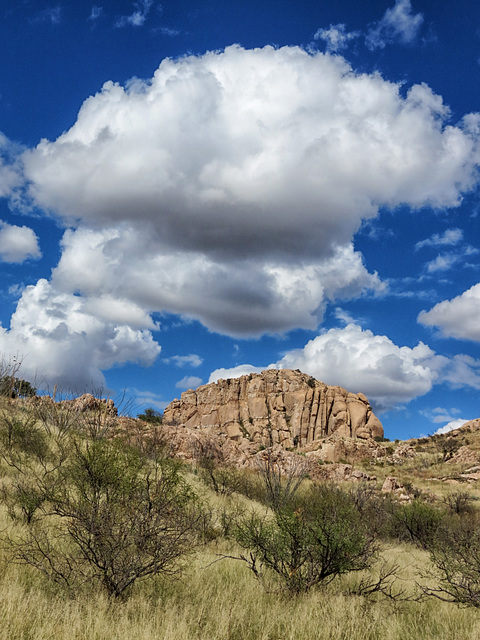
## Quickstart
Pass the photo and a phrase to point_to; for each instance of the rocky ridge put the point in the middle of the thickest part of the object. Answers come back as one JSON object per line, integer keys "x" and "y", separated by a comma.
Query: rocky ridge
{"x": 276, "y": 407}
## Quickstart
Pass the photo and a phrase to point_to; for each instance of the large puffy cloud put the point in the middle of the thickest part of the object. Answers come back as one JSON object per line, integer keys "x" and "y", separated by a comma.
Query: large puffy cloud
{"x": 228, "y": 188}
{"x": 458, "y": 317}
{"x": 61, "y": 342}
{"x": 18, "y": 244}
{"x": 241, "y": 297}
{"x": 361, "y": 361}
{"x": 253, "y": 152}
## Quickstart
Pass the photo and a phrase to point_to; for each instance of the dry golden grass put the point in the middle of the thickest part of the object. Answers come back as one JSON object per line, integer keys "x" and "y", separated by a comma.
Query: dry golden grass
{"x": 222, "y": 600}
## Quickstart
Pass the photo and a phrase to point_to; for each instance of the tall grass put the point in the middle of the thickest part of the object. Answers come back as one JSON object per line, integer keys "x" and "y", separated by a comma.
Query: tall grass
{"x": 223, "y": 601}
{"x": 220, "y": 599}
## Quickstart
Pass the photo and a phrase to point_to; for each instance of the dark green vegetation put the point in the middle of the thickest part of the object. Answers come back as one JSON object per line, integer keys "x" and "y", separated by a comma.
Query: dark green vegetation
{"x": 12, "y": 387}
{"x": 309, "y": 540}
{"x": 151, "y": 416}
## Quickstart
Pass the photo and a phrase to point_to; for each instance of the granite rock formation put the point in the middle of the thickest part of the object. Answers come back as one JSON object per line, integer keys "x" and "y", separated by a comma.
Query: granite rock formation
{"x": 275, "y": 407}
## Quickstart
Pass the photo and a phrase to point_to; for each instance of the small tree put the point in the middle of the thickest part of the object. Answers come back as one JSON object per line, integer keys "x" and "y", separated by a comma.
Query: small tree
{"x": 12, "y": 387}
{"x": 99, "y": 510}
{"x": 151, "y": 416}
{"x": 309, "y": 541}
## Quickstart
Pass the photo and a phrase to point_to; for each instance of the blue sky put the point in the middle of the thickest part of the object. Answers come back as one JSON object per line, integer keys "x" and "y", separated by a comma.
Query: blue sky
{"x": 190, "y": 191}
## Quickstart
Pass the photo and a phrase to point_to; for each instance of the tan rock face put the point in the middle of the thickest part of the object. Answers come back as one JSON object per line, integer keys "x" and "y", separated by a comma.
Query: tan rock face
{"x": 282, "y": 407}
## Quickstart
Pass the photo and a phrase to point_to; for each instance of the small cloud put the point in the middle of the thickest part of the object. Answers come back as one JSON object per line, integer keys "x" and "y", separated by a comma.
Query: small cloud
{"x": 143, "y": 399}
{"x": 16, "y": 290}
{"x": 450, "y": 237}
{"x": 442, "y": 262}
{"x": 398, "y": 24}
{"x": 192, "y": 360}
{"x": 373, "y": 230}
{"x": 439, "y": 415}
{"x": 336, "y": 37}
{"x": 167, "y": 31}
{"x": 343, "y": 316}
{"x": 96, "y": 13}
{"x": 50, "y": 14}
{"x": 18, "y": 244}
{"x": 189, "y": 382}
{"x": 138, "y": 17}
{"x": 454, "y": 424}
{"x": 446, "y": 261}
{"x": 236, "y": 372}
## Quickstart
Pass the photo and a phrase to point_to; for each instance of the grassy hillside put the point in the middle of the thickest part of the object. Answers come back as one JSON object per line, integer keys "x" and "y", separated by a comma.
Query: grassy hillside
{"x": 218, "y": 597}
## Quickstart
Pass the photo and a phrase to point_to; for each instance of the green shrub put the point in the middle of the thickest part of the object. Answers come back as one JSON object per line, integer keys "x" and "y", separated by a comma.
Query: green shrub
{"x": 415, "y": 522}
{"x": 309, "y": 541}
{"x": 107, "y": 512}
{"x": 151, "y": 416}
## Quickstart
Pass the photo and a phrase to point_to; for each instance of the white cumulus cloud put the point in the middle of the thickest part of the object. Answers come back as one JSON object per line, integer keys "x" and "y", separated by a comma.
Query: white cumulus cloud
{"x": 458, "y": 317}
{"x": 60, "y": 342}
{"x": 228, "y": 188}
{"x": 254, "y": 152}
{"x": 360, "y": 361}
{"x": 18, "y": 244}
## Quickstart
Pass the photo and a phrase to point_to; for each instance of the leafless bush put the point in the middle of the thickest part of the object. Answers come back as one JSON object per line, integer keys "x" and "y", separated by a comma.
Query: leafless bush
{"x": 460, "y": 502}
{"x": 282, "y": 477}
{"x": 214, "y": 470}
{"x": 455, "y": 557}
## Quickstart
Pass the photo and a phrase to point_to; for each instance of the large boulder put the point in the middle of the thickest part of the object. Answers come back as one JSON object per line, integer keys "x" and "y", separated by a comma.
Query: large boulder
{"x": 283, "y": 407}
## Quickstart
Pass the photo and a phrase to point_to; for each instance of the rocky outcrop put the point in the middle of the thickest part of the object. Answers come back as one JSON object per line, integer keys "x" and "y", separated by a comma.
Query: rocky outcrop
{"x": 87, "y": 402}
{"x": 82, "y": 404}
{"x": 283, "y": 407}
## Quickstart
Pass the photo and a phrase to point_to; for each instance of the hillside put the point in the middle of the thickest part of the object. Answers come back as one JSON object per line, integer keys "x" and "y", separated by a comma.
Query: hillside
{"x": 334, "y": 536}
